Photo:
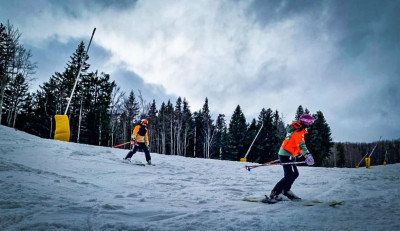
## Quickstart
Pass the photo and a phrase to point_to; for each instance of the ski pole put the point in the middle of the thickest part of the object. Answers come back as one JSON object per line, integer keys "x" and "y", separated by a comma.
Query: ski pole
{"x": 272, "y": 164}
{"x": 119, "y": 145}
{"x": 309, "y": 161}
{"x": 260, "y": 165}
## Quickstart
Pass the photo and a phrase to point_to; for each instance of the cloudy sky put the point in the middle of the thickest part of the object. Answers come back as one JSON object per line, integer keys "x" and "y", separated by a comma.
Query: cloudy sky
{"x": 338, "y": 57}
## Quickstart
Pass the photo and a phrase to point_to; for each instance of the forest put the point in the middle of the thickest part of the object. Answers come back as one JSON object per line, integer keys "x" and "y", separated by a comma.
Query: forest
{"x": 102, "y": 114}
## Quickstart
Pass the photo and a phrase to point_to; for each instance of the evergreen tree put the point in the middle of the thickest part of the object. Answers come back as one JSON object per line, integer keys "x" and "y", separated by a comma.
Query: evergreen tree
{"x": 280, "y": 125}
{"x": 163, "y": 124}
{"x": 27, "y": 114}
{"x": 207, "y": 131}
{"x": 318, "y": 139}
{"x": 53, "y": 94}
{"x": 131, "y": 108}
{"x": 340, "y": 157}
{"x": 188, "y": 129}
{"x": 198, "y": 139}
{"x": 237, "y": 135}
{"x": 299, "y": 112}
{"x": 170, "y": 128}
{"x": 94, "y": 114}
{"x": 80, "y": 95}
{"x": 267, "y": 142}
{"x": 221, "y": 136}
{"x": 178, "y": 124}
{"x": 152, "y": 127}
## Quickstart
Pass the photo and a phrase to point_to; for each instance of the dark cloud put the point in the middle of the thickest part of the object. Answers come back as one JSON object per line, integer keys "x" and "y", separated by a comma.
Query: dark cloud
{"x": 130, "y": 81}
{"x": 360, "y": 24}
{"x": 365, "y": 62}
{"x": 52, "y": 56}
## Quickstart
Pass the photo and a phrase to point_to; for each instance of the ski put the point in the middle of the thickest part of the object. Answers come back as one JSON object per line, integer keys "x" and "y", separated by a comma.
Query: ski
{"x": 140, "y": 164}
{"x": 308, "y": 203}
{"x": 133, "y": 163}
{"x": 263, "y": 200}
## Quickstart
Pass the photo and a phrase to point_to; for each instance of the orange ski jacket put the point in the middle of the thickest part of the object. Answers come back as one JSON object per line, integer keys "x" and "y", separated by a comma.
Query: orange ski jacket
{"x": 294, "y": 143}
{"x": 140, "y": 134}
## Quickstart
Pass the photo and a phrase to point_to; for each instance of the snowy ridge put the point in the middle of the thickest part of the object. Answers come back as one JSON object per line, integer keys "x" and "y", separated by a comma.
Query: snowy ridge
{"x": 52, "y": 185}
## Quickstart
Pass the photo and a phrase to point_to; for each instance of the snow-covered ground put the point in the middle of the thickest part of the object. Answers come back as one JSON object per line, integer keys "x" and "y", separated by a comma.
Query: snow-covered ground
{"x": 52, "y": 185}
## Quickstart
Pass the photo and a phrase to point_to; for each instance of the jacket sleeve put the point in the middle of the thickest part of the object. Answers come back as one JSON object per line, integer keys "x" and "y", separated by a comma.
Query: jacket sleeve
{"x": 303, "y": 148}
{"x": 134, "y": 133}
{"x": 146, "y": 138}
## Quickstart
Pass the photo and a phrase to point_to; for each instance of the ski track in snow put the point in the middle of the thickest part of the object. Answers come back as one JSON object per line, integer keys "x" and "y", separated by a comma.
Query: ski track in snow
{"x": 53, "y": 185}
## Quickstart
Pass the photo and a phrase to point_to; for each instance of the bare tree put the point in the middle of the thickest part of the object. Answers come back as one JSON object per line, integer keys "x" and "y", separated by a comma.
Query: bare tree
{"x": 209, "y": 141}
{"x": 14, "y": 61}
{"x": 144, "y": 106}
{"x": 115, "y": 109}
{"x": 16, "y": 94}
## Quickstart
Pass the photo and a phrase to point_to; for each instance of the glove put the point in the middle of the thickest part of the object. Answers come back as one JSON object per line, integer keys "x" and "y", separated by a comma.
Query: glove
{"x": 309, "y": 159}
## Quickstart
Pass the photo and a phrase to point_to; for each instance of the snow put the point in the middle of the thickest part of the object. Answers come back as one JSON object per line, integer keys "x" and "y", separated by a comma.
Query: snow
{"x": 53, "y": 185}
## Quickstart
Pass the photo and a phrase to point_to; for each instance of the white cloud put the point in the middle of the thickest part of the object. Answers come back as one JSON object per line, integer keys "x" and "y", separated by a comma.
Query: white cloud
{"x": 209, "y": 49}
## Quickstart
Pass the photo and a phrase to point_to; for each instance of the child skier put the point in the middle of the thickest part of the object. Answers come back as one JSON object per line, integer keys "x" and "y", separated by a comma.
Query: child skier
{"x": 140, "y": 135}
{"x": 293, "y": 146}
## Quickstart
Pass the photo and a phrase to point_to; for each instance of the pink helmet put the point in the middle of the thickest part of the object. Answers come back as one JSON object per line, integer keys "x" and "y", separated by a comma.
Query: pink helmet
{"x": 306, "y": 120}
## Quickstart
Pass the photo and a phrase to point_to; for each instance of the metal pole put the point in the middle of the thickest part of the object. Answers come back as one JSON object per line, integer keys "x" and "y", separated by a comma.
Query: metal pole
{"x": 248, "y": 151}
{"x": 79, "y": 72}
{"x": 369, "y": 154}
{"x": 375, "y": 147}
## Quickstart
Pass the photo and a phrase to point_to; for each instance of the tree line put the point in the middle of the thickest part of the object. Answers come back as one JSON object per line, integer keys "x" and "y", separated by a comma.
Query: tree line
{"x": 349, "y": 155}
{"x": 100, "y": 113}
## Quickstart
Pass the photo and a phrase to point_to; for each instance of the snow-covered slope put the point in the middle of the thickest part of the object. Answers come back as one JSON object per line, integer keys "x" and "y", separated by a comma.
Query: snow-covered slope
{"x": 52, "y": 185}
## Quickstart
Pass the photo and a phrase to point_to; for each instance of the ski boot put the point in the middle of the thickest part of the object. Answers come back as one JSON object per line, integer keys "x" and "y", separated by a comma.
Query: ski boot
{"x": 289, "y": 194}
{"x": 149, "y": 162}
{"x": 272, "y": 199}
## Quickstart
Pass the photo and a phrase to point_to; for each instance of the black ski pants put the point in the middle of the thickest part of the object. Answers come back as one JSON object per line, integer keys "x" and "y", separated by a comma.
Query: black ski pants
{"x": 138, "y": 146}
{"x": 290, "y": 175}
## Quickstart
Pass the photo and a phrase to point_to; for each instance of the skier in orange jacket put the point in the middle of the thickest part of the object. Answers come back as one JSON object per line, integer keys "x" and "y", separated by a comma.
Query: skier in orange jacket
{"x": 140, "y": 139}
{"x": 292, "y": 146}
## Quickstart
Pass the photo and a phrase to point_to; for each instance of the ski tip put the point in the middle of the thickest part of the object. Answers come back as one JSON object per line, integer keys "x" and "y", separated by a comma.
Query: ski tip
{"x": 335, "y": 203}
{"x": 251, "y": 199}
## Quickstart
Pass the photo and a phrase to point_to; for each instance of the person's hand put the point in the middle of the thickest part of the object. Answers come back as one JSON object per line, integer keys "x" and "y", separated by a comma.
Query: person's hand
{"x": 309, "y": 159}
